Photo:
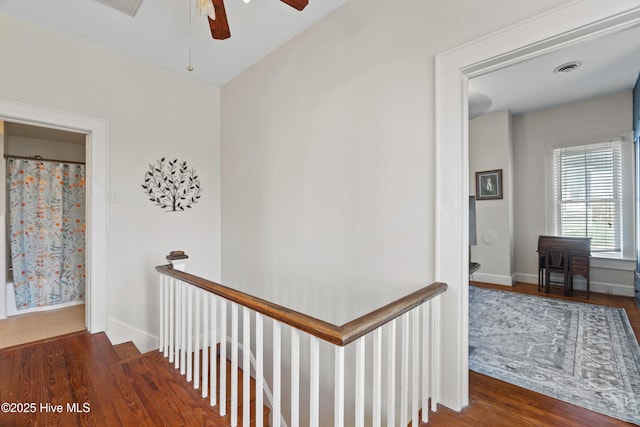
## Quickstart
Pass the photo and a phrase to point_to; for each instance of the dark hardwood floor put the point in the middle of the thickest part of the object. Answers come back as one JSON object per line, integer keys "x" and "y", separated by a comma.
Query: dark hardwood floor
{"x": 80, "y": 380}
{"x": 496, "y": 403}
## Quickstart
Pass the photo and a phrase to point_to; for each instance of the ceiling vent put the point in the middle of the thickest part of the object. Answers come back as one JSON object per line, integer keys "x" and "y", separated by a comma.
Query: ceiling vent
{"x": 568, "y": 67}
{"x": 130, "y": 7}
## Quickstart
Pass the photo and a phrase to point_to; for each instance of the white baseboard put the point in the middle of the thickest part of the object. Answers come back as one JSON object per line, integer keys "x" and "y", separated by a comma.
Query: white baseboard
{"x": 527, "y": 278}
{"x": 119, "y": 332}
{"x": 605, "y": 288}
{"x": 492, "y": 278}
{"x": 580, "y": 284}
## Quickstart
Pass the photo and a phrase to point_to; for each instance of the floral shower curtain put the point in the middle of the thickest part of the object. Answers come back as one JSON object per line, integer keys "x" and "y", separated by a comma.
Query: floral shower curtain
{"x": 47, "y": 231}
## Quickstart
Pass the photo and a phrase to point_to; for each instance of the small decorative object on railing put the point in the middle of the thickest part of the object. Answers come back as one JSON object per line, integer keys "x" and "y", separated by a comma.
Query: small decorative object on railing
{"x": 173, "y": 255}
{"x": 178, "y": 260}
{"x": 172, "y": 185}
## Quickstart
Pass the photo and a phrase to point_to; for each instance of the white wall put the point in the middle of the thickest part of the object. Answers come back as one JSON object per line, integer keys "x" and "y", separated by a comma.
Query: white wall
{"x": 327, "y": 146}
{"x": 585, "y": 120}
{"x": 328, "y": 155}
{"x": 491, "y": 148}
{"x": 151, "y": 113}
{"x": 29, "y": 147}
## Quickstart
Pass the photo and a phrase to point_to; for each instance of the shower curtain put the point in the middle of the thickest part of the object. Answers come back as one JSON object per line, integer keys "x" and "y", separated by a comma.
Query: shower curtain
{"x": 47, "y": 231}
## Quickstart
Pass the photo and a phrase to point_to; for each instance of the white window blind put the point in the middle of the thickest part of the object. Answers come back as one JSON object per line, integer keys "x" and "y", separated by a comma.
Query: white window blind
{"x": 587, "y": 193}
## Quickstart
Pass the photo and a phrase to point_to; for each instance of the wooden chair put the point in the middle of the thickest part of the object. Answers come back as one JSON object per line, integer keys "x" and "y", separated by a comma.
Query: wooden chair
{"x": 540, "y": 270}
{"x": 557, "y": 261}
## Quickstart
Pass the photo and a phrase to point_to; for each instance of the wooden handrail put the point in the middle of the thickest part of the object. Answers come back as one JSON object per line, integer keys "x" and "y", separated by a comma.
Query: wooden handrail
{"x": 338, "y": 335}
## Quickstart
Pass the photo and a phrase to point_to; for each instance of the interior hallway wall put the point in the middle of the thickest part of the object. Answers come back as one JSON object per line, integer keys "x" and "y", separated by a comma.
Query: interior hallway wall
{"x": 328, "y": 156}
{"x": 151, "y": 113}
{"x": 491, "y": 148}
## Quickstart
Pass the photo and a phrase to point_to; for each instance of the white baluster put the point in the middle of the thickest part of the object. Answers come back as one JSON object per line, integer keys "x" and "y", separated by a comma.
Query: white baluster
{"x": 205, "y": 344}
{"x": 183, "y": 327}
{"x": 259, "y": 371}
{"x": 189, "y": 333}
{"x": 178, "y": 291}
{"x": 434, "y": 339}
{"x": 223, "y": 357}
{"x": 377, "y": 377}
{"x": 338, "y": 417}
{"x": 171, "y": 317}
{"x": 246, "y": 366}
{"x": 196, "y": 354}
{"x": 360, "y": 382}
{"x": 404, "y": 377}
{"x": 214, "y": 350}
{"x": 415, "y": 369}
{"x": 234, "y": 364}
{"x": 391, "y": 373}
{"x": 295, "y": 377}
{"x": 167, "y": 316}
{"x": 277, "y": 377}
{"x": 426, "y": 360}
{"x": 163, "y": 286}
{"x": 314, "y": 389}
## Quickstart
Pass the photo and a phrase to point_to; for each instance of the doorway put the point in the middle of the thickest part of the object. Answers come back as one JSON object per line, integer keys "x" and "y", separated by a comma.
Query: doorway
{"x": 96, "y": 131}
{"x": 548, "y": 32}
{"x": 39, "y": 303}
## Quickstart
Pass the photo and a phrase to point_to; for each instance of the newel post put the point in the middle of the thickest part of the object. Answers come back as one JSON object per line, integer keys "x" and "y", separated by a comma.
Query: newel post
{"x": 178, "y": 260}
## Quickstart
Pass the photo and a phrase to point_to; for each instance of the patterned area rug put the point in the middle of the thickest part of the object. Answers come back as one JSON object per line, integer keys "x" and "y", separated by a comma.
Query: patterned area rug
{"x": 580, "y": 353}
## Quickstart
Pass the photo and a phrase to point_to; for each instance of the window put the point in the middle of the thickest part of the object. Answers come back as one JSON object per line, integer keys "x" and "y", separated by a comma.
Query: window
{"x": 588, "y": 193}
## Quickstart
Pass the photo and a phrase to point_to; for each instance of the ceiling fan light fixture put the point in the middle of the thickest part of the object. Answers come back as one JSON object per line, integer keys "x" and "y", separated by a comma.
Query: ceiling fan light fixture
{"x": 217, "y": 15}
{"x": 205, "y": 8}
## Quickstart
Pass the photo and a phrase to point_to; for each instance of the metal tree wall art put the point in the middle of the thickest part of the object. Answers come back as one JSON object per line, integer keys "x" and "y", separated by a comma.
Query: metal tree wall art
{"x": 172, "y": 185}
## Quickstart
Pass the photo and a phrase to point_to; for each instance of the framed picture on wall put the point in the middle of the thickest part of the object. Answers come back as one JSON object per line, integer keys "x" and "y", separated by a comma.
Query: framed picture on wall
{"x": 489, "y": 185}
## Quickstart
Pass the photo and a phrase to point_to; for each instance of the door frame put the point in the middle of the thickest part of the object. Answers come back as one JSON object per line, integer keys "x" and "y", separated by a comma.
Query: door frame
{"x": 570, "y": 24}
{"x": 96, "y": 186}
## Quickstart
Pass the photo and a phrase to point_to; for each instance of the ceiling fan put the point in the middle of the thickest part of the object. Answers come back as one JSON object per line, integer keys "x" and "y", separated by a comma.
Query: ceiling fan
{"x": 214, "y": 9}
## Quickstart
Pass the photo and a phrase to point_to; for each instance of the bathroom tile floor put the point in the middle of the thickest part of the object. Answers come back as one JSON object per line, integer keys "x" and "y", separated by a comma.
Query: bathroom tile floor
{"x": 30, "y": 327}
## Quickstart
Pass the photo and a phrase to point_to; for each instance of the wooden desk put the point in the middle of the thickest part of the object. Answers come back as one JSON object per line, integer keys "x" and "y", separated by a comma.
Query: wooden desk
{"x": 579, "y": 249}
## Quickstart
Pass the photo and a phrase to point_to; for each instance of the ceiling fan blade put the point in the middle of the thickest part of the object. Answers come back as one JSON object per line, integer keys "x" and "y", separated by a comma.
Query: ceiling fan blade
{"x": 219, "y": 26}
{"x": 296, "y": 4}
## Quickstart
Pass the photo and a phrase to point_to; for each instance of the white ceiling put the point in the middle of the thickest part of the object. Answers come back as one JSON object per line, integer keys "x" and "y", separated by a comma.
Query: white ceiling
{"x": 159, "y": 32}
{"x": 609, "y": 64}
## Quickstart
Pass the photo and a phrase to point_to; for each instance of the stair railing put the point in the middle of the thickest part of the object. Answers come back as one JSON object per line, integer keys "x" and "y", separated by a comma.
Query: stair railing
{"x": 194, "y": 321}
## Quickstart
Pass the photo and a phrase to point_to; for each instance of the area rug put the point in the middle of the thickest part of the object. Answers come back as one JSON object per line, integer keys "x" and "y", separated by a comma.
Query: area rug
{"x": 580, "y": 353}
